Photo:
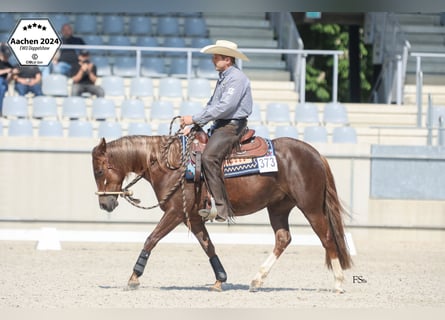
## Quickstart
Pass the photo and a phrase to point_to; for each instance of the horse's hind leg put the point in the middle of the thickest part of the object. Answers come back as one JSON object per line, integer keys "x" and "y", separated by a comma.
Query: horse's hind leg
{"x": 280, "y": 225}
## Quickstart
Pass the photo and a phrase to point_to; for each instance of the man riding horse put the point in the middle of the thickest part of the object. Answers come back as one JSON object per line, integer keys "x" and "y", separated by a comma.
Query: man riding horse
{"x": 228, "y": 108}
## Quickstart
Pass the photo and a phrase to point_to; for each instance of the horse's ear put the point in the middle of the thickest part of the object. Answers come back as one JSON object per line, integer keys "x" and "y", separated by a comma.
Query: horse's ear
{"x": 101, "y": 147}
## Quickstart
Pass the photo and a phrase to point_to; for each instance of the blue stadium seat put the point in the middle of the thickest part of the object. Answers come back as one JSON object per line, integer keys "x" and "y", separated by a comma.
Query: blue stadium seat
{"x": 336, "y": 113}
{"x": 206, "y": 68}
{"x": 170, "y": 88}
{"x": 286, "y": 131}
{"x": 306, "y": 113}
{"x": 167, "y": 26}
{"x": 255, "y": 117}
{"x": 153, "y": 67}
{"x": 139, "y": 128}
{"x": 58, "y": 20}
{"x": 132, "y": 109}
{"x": 178, "y": 67}
{"x": 161, "y": 110}
{"x": 80, "y": 129}
{"x": 199, "y": 88}
{"x": 85, "y": 23}
{"x": 74, "y": 108}
{"x": 119, "y": 40}
{"x": 20, "y": 128}
{"x": 316, "y": 134}
{"x": 55, "y": 84}
{"x": 113, "y": 24}
{"x": 125, "y": 67}
{"x": 261, "y": 131}
{"x": 109, "y": 130}
{"x": 344, "y": 135}
{"x": 174, "y": 42}
{"x": 278, "y": 113}
{"x": 190, "y": 107}
{"x": 141, "y": 87}
{"x": 113, "y": 85}
{"x": 15, "y": 106}
{"x": 50, "y": 128}
{"x": 103, "y": 65}
{"x": 164, "y": 128}
{"x": 148, "y": 41}
{"x": 103, "y": 108}
{"x": 7, "y": 21}
{"x": 44, "y": 107}
{"x": 140, "y": 25}
{"x": 96, "y": 40}
{"x": 195, "y": 27}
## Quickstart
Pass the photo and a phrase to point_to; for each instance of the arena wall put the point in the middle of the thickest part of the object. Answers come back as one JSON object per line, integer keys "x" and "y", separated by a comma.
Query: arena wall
{"x": 46, "y": 179}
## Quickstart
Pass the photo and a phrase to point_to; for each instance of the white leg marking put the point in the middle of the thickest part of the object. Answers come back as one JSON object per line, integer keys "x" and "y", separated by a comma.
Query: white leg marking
{"x": 263, "y": 272}
{"x": 338, "y": 275}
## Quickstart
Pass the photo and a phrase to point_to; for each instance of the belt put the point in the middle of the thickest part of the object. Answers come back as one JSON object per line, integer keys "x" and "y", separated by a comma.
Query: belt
{"x": 236, "y": 122}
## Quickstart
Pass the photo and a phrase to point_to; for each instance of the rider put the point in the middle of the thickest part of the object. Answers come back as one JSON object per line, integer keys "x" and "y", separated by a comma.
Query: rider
{"x": 228, "y": 108}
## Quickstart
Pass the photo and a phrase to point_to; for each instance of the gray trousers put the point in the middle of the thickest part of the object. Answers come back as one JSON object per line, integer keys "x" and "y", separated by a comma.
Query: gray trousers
{"x": 79, "y": 88}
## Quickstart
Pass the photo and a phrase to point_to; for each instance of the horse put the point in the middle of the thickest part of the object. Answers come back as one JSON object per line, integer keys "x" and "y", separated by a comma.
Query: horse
{"x": 304, "y": 179}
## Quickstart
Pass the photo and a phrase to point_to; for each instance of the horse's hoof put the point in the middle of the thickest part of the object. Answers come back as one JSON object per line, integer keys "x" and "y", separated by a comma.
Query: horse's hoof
{"x": 255, "y": 286}
{"x": 133, "y": 285}
{"x": 339, "y": 291}
{"x": 217, "y": 287}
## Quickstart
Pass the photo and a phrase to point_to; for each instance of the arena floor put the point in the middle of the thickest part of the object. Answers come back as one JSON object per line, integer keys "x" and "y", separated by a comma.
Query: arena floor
{"x": 393, "y": 269}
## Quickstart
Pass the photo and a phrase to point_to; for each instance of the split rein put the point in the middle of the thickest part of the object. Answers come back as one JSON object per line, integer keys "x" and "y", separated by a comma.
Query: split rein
{"x": 127, "y": 194}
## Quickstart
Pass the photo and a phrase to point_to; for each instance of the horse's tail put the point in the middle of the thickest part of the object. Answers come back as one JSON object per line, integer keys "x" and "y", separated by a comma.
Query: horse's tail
{"x": 334, "y": 210}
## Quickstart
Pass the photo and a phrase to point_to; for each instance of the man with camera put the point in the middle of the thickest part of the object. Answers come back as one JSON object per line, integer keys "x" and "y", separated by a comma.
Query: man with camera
{"x": 84, "y": 76}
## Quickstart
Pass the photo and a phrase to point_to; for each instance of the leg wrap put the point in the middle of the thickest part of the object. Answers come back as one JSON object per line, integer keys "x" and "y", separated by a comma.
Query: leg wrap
{"x": 220, "y": 273}
{"x": 140, "y": 264}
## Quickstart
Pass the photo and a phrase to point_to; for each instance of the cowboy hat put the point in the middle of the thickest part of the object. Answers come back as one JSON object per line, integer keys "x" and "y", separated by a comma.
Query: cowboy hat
{"x": 225, "y": 48}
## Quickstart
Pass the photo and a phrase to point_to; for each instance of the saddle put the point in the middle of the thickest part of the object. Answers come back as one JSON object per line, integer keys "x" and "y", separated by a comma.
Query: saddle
{"x": 250, "y": 146}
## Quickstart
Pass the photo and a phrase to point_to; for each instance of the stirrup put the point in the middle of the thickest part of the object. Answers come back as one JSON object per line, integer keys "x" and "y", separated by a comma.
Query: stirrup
{"x": 209, "y": 214}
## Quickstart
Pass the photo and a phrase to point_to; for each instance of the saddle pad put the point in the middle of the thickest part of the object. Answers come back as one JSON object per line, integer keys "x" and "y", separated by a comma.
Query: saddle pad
{"x": 239, "y": 166}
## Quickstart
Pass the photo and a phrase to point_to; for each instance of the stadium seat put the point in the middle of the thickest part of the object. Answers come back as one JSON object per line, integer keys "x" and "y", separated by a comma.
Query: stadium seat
{"x": 345, "y": 134}
{"x": 103, "y": 108}
{"x": 139, "y": 128}
{"x": 96, "y": 40}
{"x": 55, "y": 85}
{"x": 335, "y": 113}
{"x": 140, "y": 25}
{"x": 195, "y": 27}
{"x": 44, "y": 107}
{"x": 132, "y": 109}
{"x": 7, "y": 21}
{"x": 148, "y": 41}
{"x": 15, "y": 106}
{"x": 74, "y": 108}
{"x": 315, "y": 134}
{"x": 199, "y": 88}
{"x": 125, "y": 67}
{"x": 278, "y": 113}
{"x": 58, "y": 20}
{"x": 306, "y": 113}
{"x": 141, "y": 87}
{"x": 199, "y": 43}
{"x": 255, "y": 117}
{"x": 162, "y": 110}
{"x": 174, "y": 42}
{"x": 167, "y": 26}
{"x": 153, "y": 67}
{"x": 170, "y": 88}
{"x": 85, "y": 23}
{"x": 103, "y": 66}
{"x": 190, "y": 107}
{"x": 164, "y": 128}
{"x": 261, "y": 131}
{"x": 80, "y": 129}
{"x": 20, "y": 128}
{"x": 286, "y": 131}
{"x": 113, "y": 85}
{"x": 109, "y": 130}
{"x": 206, "y": 68}
{"x": 119, "y": 40}
{"x": 178, "y": 67}
{"x": 113, "y": 24}
{"x": 50, "y": 128}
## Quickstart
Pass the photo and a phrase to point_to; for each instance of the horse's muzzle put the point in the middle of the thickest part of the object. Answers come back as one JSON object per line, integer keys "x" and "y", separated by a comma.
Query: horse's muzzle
{"x": 108, "y": 203}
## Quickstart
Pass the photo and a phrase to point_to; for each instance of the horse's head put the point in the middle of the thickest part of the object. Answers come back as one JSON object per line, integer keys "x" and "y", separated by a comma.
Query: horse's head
{"x": 108, "y": 178}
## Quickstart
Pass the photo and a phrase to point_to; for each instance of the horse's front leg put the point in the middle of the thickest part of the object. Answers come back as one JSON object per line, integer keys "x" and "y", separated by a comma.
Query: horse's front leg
{"x": 201, "y": 233}
{"x": 168, "y": 222}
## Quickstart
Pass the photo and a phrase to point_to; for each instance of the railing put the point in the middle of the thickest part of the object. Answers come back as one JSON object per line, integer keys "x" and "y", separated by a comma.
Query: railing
{"x": 390, "y": 49}
{"x": 189, "y": 51}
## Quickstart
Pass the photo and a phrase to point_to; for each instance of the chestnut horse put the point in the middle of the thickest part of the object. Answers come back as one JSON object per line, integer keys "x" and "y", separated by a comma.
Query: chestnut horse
{"x": 304, "y": 179}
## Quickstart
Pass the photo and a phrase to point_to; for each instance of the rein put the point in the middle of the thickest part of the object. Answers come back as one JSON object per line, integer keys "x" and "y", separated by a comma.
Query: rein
{"x": 127, "y": 194}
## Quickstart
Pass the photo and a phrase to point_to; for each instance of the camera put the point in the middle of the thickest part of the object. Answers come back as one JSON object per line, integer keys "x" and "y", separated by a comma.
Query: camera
{"x": 86, "y": 61}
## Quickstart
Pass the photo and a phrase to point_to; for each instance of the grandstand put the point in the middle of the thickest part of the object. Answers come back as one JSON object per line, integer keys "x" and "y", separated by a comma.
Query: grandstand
{"x": 273, "y": 77}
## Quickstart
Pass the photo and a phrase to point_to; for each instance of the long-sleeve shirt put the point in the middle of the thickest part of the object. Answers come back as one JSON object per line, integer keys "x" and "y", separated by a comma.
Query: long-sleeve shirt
{"x": 232, "y": 98}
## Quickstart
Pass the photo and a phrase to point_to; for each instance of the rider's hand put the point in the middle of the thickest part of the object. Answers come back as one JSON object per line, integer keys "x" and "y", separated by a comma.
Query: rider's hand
{"x": 186, "y": 120}
{"x": 186, "y": 130}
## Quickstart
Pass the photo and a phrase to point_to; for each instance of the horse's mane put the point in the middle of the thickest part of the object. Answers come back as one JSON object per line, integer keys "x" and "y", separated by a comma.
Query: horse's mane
{"x": 142, "y": 150}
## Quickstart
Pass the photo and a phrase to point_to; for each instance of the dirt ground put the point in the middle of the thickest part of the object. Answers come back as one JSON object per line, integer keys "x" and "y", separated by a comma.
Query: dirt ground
{"x": 389, "y": 272}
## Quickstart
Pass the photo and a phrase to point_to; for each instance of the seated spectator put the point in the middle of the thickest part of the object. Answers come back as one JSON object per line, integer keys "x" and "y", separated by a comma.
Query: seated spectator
{"x": 84, "y": 77}
{"x": 28, "y": 79}
{"x": 66, "y": 59}
{"x": 5, "y": 72}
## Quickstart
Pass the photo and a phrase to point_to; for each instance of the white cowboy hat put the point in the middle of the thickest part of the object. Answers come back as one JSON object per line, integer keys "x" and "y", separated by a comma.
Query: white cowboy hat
{"x": 226, "y": 48}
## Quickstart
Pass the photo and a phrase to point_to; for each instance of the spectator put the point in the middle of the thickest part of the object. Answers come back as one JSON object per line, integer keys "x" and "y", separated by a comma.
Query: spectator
{"x": 85, "y": 76}
{"x": 5, "y": 72}
{"x": 66, "y": 59}
{"x": 28, "y": 79}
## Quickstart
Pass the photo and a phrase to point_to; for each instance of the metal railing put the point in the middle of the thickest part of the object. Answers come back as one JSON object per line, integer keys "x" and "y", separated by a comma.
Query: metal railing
{"x": 299, "y": 54}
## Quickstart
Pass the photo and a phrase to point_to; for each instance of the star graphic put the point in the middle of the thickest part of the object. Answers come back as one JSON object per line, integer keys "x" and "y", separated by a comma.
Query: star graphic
{"x": 43, "y": 28}
{"x": 34, "y": 24}
{"x": 39, "y": 26}
{"x": 29, "y": 26}
{"x": 24, "y": 28}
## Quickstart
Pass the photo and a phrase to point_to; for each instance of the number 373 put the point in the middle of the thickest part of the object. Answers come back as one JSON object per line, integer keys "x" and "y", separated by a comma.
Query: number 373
{"x": 267, "y": 164}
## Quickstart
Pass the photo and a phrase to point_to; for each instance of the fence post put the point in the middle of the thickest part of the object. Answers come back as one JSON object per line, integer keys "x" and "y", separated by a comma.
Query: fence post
{"x": 429, "y": 121}
{"x": 399, "y": 81}
{"x": 335, "y": 80}
{"x": 441, "y": 132}
{"x": 303, "y": 79}
{"x": 419, "y": 85}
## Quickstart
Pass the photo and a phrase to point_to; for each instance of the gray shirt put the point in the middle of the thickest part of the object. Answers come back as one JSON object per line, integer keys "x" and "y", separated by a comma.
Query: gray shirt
{"x": 232, "y": 98}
